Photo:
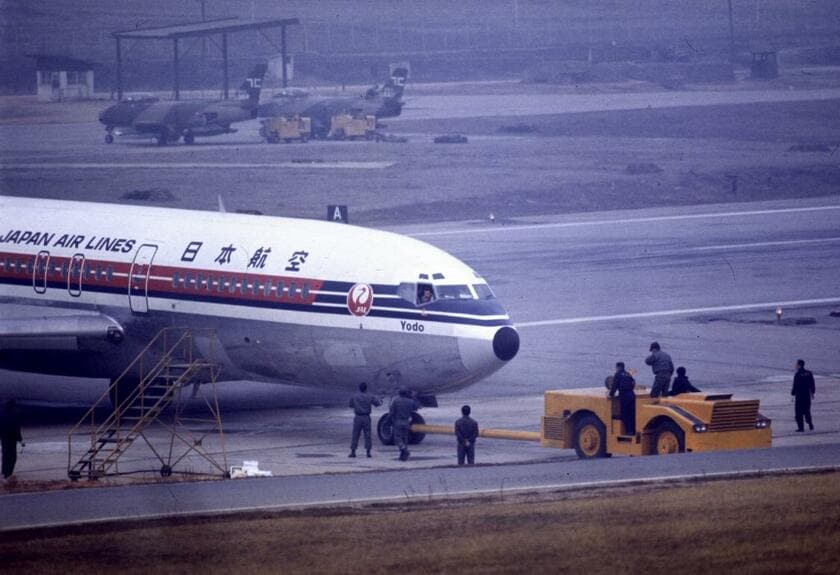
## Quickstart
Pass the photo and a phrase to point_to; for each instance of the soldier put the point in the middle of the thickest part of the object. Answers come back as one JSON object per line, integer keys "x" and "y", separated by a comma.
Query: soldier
{"x": 681, "y": 383}
{"x": 361, "y": 403}
{"x": 402, "y": 407}
{"x": 9, "y": 438}
{"x": 623, "y": 383}
{"x": 466, "y": 430}
{"x": 803, "y": 391}
{"x": 663, "y": 368}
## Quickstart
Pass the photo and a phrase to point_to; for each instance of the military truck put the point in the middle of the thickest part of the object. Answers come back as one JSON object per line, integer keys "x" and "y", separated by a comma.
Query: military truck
{"x": 286, "y": 129}
{"x": 346, "y": 126}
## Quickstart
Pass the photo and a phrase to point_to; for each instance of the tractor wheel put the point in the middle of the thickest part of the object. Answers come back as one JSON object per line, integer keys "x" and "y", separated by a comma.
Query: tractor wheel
{"x": 668, "y": 438}
{"x": 109, "y": 138}
{"x": 590, "y": 438}
{"x": 385, "y": 430}
{"x": 189, "y": 138}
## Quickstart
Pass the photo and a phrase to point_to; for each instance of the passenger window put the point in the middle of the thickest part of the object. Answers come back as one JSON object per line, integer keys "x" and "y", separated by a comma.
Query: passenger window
{"x": 109, "y": 273}
{"x": 292, "y": 290}
{"x": 176, "y": 277}
{"x": 304, "y": 292}
{"x": 279, "y": 292}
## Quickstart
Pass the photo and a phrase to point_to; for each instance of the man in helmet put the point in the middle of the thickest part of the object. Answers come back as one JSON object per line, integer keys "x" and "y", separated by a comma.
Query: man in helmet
{"x": 663, "y": 368}
{"x": 402, "y": 408}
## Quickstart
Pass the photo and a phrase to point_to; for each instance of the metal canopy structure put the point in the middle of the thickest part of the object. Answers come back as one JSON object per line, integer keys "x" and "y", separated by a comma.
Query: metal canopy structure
{"x": 223, "y": 27}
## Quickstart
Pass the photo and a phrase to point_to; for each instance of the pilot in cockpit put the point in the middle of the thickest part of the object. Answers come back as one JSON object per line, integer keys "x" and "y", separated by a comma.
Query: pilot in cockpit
{"x": 425, "y": 294}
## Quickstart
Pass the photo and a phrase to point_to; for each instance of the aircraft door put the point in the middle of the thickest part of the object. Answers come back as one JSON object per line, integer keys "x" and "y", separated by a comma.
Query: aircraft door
{"x": 138, "y": 278}
{"x": 74, "y": 275}
{"x": 39, "y": 274}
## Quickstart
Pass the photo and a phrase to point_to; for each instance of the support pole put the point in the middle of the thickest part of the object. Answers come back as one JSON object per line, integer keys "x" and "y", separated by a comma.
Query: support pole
{"x": 225, "y": 62}
{"x": 283, "y": 55}
{"x": 177, "y": 71}
{"x": 119, "y": 70}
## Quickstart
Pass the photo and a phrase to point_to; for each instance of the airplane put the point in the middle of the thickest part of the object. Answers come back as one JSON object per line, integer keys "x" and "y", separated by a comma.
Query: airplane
{"x": 380, "y": 101}
{"x": 168, "y": 121}
{"x": 303, "y": 302}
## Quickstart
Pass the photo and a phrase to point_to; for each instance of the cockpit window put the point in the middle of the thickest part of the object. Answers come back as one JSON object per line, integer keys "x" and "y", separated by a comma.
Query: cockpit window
{"x": 454, "y": 292}
{"x": 425, "y": 294}
{"x": 483, "y": 291}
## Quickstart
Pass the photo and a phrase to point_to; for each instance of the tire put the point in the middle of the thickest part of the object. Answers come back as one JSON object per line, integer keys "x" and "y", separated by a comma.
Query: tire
{"x": 590, "y": 438}
{"x": 668, "y": 438}
{"x": 304, "y": 138}
{"x": 385, "y": 430}
{"x": 416, "y": 438}
{"x": 189, "y": 138}
{"x": 339, "y": 134}
{"x": 162, "y": 138}
{"x": 272, "y": 138}
{"x": 109, "y": 138}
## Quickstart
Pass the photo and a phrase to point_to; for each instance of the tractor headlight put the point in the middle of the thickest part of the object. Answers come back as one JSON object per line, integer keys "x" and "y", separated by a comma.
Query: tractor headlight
{"x": 700, "y": 427}
{"x": 762, "y": 423}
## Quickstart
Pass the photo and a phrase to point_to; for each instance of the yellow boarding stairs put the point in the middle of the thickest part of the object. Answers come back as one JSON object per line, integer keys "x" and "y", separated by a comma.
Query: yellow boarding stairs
{"x": 154, "y": 410}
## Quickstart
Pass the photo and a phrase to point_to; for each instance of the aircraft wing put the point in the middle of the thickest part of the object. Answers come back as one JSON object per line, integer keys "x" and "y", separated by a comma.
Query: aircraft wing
{"x": 40, "y": 332}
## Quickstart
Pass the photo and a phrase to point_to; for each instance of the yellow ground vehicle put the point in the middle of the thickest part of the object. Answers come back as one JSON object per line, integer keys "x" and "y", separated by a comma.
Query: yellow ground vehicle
{"x": 286, "y": 129}
{"x": 346, "y": 126}
{"x": 589, "y": 421}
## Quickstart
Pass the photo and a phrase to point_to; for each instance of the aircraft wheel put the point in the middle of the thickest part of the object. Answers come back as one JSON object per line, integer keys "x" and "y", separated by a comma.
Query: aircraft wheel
{"x": 590, "y": 438}
{"x": 165, "y": 471}
{"x": 189, "y": 138}
{"x": 668, "y": 438}
{"x": 385, "y": 430}
{"x": 109, "y": 138}
{"x": 416, "y": 438}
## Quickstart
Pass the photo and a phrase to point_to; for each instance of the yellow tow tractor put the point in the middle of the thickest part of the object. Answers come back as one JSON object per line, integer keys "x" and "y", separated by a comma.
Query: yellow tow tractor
{"x": 286, "y": 129}
{"x": 588, "y": 421}
{"x": 346, "y": 126}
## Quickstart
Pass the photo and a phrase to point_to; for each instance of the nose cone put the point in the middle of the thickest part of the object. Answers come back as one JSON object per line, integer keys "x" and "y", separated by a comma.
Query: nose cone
{"x": 506, "y": 343}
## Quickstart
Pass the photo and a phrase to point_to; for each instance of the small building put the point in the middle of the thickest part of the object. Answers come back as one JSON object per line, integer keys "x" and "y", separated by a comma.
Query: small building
{"x": 62, "y": 78}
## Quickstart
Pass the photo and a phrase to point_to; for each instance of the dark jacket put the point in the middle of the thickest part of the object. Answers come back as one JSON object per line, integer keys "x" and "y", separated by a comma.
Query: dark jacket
{"x": 10, "y": 428}
{"x": 361, "y": 403}
{"x": 401, "y": 410}
{"x": 682, "y": 385}
{"x": 466, "y": 430}
{"x": 660, "y": 362}
{"x": 623, "y": 383}
{"x": 803, "y": 384}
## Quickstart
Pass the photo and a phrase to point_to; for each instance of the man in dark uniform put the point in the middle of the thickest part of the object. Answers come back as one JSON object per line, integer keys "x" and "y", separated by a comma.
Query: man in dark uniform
{"x": 466, "y": 430}
{"x": 663, "y": 368}
{"x": 623, "y": 383}
{"x": 681, "y": 383}
{"x": 9, "y": 438}
{"x": 402, "y": 407}
{"x": 362, "y": 403}
{"x": 803, "y": 391}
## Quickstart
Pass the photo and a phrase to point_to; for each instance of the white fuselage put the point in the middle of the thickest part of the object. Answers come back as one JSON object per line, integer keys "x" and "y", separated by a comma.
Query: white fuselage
{"x": 295, "y": 301}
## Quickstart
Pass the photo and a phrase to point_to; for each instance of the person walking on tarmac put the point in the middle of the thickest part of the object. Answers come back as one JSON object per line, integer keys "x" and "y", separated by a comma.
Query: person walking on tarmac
{"x": 362, "y": 403}
{"x": 402, "y": 407}
{"x": 466, "y": 430}
{"x": 663, "y": 368}
{"x": 10, "y": 436}
{"x": 803, "y": 392}
{"x": 681, "y": 383}
{"x": 623, "y": 383}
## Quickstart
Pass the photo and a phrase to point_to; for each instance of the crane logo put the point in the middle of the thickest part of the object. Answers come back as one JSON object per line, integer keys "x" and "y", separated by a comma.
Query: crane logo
{"x": 360, "y": 299}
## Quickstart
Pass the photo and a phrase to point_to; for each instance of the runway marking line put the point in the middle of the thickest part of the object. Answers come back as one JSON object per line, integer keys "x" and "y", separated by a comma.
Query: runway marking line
{"x": 686, "y": 311}
{"x": 201, "y": 165}
{"x": 640, "y": 220}
{"x": 765, "y": 244}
